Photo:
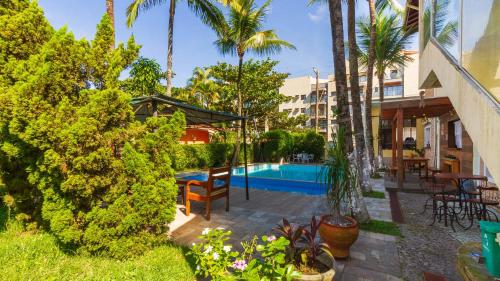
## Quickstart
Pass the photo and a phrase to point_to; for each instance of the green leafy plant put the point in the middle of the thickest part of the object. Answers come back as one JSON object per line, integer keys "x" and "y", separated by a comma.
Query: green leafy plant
{"x": 213, "y": 256}
{"x": 309, "y": 142}
{"x": 304, "y": 247}
{"x": 72, "y": 155}
{"x": 264, "y": 260}
{"x": 276, "y": 144}
{"x": 340, "y": 179}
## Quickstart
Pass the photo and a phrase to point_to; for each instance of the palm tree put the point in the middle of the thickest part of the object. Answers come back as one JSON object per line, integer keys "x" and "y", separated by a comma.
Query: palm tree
{"x": 110, "y": 10}
{"x": 391, "y": 41}
{"x": 357, "y": 117}
{"x": 242, "y": 32}
{"x": 205, "y": 9}
{"x": 203, "y": 87}
{"x": 343, "y": 115}
{"x": 338, "y": 50}
{"x": 369, "y": 85}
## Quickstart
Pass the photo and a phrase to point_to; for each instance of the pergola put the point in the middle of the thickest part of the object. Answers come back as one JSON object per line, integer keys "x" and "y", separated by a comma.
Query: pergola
{"x": 397, "y": 111}
{"x": 195, "y": 116}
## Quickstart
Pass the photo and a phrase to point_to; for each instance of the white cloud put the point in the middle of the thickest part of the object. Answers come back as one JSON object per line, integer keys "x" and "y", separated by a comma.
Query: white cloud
{"x": 319, "y": 14}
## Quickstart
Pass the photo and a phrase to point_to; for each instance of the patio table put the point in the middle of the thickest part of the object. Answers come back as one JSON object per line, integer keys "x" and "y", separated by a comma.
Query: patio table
{"x": 419, "y": 161}
{"x": 460, "y": 179}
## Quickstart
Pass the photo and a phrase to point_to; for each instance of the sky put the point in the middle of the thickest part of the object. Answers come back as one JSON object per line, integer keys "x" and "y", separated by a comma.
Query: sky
{"x": 308, "y": 28}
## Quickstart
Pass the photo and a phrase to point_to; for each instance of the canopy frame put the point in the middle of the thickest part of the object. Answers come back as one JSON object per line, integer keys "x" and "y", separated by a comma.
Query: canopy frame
{"x": 148, "y": 106}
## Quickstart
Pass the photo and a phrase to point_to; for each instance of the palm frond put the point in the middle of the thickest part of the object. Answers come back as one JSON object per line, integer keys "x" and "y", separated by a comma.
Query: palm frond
{"x": 209, "y": 13}
{"x": 266, "y": 43}
{"x": 313, "y": 2}
{"x": 138, "y": 6}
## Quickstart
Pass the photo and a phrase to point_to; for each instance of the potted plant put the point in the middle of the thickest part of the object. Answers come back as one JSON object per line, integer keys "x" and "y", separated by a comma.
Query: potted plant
{"x": 309, "y": 256}
{"x": 339, "y": 229}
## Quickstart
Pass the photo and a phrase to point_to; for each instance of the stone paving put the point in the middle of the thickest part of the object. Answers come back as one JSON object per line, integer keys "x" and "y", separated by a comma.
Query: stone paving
{"x": 373, "y": 256}
{"x": 424, "y": 247}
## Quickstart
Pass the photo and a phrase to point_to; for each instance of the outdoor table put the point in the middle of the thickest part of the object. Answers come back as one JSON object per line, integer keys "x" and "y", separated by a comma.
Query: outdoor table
{"x": 459, "y": 179}
{"x": 419, "y": 161}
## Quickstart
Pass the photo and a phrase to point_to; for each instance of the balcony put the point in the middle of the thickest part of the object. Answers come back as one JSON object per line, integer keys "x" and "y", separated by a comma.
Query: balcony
{"x": 321, "y": 86}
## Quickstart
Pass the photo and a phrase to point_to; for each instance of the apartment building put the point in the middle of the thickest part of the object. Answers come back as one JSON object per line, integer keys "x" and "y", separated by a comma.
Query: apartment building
{"x": 400, "y": 82}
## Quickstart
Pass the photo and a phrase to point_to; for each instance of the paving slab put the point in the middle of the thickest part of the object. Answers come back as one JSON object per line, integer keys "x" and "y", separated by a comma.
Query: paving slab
{"x": 373, "y": 255}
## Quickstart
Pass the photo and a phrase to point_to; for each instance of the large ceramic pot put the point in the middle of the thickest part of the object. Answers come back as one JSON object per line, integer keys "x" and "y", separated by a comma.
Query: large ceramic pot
{"x": 339, "y": 238}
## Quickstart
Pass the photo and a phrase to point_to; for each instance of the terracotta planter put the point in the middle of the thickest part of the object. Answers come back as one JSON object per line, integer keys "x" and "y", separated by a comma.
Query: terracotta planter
{"x": 339, "y": 238}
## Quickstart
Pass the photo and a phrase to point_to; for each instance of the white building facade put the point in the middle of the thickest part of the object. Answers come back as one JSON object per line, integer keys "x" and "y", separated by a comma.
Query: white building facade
{"x": 399, "y": 82}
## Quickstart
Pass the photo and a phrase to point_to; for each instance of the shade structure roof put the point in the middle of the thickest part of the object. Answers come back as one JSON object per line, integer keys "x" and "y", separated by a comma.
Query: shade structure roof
{"x": 411, "y": 15}
{"x": 146, "y": 105}
{"x": 416, "y": 107}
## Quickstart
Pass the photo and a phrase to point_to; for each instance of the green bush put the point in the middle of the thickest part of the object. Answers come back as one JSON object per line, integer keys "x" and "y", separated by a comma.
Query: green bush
{"x": 100, "y": 181}
{"x": 275, "y": 145}
{"x": 309, "y": 142}
{"x": 202, "y": 156}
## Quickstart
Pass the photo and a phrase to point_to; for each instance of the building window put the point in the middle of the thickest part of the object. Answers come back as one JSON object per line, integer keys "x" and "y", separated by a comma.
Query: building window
{"x": 302, "y": 97}
{"x": 455, "y": 134}
{"x": 394, "y": 74}
{"x": 303, "y": 110}
{"x": 313, "y": 97}
{"x": 445, "y": 18}
{"x": 409, "y": 134}
{"x": 393, "y": 91}
{"x": 481, "y": 43}
{"x": 426, "y": 20}
{"x": 332, "y": 94}
{"x": 427, "y": 137}
{"x": 362, "y": 78}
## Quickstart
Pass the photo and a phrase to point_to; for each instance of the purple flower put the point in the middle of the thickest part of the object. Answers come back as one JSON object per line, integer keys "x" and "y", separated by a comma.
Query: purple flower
{"x": 271, "y": 238}
{"x": 240, "y": 265}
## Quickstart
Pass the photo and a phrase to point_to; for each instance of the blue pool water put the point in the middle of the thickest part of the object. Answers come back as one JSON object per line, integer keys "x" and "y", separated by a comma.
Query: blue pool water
{"x": 304, "y": 179}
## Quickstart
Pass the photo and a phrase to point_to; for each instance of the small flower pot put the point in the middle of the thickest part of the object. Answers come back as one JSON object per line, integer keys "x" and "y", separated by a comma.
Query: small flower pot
{"x": 339, "y": 238}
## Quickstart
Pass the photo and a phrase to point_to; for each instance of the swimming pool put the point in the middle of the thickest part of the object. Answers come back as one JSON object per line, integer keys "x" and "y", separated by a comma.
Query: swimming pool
{"x": 304, "y": 179}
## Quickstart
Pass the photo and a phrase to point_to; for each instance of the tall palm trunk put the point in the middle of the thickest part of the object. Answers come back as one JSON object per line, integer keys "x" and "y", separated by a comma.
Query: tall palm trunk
{"x": 357, "y": 117}
{"x": 170, "y": 46}
{"x": 362, "y": 214}
{"x": 240, "y": 110}
{"x": 337, "y": 28}
{"x": 380, "y": 76}
{"x": 110, "y": 10}
{"x": 369, "y": 86}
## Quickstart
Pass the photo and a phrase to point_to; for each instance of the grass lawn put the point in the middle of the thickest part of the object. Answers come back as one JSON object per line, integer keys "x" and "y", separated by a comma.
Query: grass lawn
{"x": 26, "y": 256}
{"x": 374, "y": 194}
{"x": 383, "y": 227}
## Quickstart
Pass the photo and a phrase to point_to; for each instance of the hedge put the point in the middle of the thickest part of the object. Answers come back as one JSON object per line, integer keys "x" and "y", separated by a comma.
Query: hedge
{"x": 277, "y": 144}
{"x": 202, "y": 156}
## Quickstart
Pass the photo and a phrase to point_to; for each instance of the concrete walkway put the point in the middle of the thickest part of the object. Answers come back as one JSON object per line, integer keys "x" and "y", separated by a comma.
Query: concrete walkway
{"x": 373, "y": 256}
